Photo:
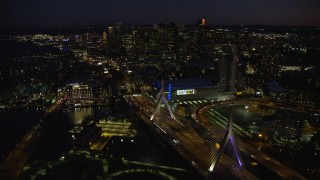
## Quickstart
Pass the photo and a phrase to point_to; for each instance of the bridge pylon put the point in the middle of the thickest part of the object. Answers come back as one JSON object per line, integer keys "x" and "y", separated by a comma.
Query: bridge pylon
{"x": 228, "y": 139}
{"x": 161, "y": 98}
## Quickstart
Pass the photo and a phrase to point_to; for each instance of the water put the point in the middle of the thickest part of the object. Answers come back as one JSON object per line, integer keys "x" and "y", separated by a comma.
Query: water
{"x": 145, "y": 147}
{"x": 12, "y": 49}
{"x": 14, "y": 124}
{"x": 77, "y": 115}
{"x": 57, "y": 141}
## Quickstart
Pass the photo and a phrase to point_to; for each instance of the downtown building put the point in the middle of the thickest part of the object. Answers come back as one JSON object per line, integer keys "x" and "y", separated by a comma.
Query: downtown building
{"x": 191, "y": 89}
{"x": 227, "y": 64}
{"x": 79, "y": 94}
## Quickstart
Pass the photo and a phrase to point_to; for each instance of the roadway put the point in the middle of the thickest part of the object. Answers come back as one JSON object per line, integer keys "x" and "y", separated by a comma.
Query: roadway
{"x": 13, "y": 164}
{"x": 185, "y": 140}
{"x": 262, "y": 158}
{"x": 272, "y": 103}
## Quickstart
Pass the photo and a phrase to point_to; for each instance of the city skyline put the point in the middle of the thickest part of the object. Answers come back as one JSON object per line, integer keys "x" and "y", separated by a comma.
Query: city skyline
{"x": 160, "y": 90}
{"x": 230, "y": 12}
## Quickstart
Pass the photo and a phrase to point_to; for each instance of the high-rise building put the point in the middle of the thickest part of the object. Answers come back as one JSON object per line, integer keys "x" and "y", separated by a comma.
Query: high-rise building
{"x": 77, "y": 92}
{"x": 114, "y": 39}
{"x": 227, "y": 70}
{"x": 201, "y": 22}
{"x": 232, "y": 71}
{"x": 104, "y": 38}
{"x": 66, "y": 45}
{"x": 223, "y": 73}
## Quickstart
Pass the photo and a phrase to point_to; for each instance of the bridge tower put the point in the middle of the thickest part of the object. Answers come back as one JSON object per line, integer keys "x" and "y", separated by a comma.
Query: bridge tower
{"x": 161, "y": 98}
{"x": 228, "y": 140}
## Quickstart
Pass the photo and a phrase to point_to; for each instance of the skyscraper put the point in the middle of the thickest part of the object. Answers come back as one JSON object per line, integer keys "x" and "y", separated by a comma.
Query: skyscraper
{"x": 114, "y": 39}
{"x": 104, "y": 38}
{"x": 233, "y": 68}
{"x": 223, "y": 73}
{"x": 227, "y": 69}
{"x": 201, "y": 22}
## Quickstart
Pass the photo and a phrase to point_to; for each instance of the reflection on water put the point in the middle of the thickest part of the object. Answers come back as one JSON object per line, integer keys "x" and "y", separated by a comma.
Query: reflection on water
{"x": 77, "y": 115}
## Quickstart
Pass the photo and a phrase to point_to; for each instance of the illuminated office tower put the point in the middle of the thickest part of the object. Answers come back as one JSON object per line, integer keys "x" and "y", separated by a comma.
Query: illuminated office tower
{"x": 104, "y": 38}
{"x": 114, "y": 39}
{"x": 201, "y": 22}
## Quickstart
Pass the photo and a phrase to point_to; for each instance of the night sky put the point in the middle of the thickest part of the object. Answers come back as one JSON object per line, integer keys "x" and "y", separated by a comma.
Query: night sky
{"x": 30, "y": 13}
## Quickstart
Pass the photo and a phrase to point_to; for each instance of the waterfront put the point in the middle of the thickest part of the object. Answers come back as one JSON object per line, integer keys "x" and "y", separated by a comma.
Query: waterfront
{"x": 14, "y": 125}
{"x": 73, "y": 67}
{"x": 145, "y": 147}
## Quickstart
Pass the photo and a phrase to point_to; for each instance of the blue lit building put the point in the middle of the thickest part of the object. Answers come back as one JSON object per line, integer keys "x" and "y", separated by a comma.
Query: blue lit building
{"x": 191, "y": 89}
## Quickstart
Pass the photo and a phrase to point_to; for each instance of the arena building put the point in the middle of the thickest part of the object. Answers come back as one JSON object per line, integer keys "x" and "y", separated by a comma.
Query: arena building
{"x": 192, "y": 89}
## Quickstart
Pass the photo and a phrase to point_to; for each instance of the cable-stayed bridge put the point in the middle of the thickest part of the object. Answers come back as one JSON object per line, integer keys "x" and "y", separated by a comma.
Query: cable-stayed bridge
{"x": 208, "y": 144}
{"x": 212, "y": 151}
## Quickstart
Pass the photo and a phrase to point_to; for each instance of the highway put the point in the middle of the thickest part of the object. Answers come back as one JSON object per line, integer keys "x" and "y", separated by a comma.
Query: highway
{"x": 186, "y": 141}
{"x": 272, "y": 103}
{"x": 262, "y": 158}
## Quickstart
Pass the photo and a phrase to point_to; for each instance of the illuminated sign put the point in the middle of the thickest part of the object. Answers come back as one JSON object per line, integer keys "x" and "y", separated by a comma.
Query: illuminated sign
{"x": 170, "y": 91}
{"x": 185, "y": 92}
